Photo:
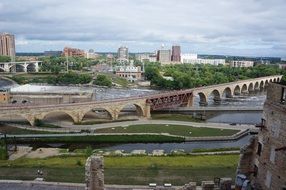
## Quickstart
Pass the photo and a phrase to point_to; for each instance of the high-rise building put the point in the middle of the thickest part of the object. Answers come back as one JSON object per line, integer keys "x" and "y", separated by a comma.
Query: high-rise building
{"x": 164, "y": 56}
{"x": 176, "y": 54}
{"x": 7, "y": 45}
{"x": 122, "y": 53}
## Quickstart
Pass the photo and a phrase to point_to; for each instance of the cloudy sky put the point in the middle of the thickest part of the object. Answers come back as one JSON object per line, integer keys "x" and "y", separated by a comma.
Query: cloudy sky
{"x": 232, "y": 27}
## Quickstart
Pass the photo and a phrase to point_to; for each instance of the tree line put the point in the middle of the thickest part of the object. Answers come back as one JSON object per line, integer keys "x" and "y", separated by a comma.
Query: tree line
{"x": 189, "y": 76}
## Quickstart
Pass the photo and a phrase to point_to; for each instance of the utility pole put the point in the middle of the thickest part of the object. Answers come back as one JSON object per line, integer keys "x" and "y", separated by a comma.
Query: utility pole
{"x": 67, "y": 62}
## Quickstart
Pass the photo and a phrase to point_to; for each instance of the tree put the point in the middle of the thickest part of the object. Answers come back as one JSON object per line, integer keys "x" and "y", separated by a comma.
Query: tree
{"x": 103, "y": 80}
{"x": 5, "y": 59}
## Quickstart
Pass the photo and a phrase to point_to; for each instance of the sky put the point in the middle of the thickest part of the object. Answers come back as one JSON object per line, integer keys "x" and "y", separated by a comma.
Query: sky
{"x": 225, "y": 27}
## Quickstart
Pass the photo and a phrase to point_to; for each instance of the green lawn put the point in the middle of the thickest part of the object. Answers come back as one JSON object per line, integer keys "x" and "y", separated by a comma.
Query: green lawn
{"x": 177, "y": 170}
{"x": 103, "y": 139}
{"x": 18, "y": 131}
{"x": 181, "y": 130}
{"x": 175, "y": 117}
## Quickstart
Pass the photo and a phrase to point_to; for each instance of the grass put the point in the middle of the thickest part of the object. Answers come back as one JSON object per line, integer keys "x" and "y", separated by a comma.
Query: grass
{"x": 18, "y": 131}
{"x": 121, "y": 81}
{"x": 3, "y": 151}
{"x": 199, "y": 150}
{"x": 140, "y": 170}
{"x": 180, "y": 130}
{"x": 175, "y": 117}
{"x": 104, "y": 139}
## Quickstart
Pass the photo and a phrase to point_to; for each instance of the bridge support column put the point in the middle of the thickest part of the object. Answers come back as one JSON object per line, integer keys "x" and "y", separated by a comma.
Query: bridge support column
{"x": 37, "y": 67}
{"x": 31, "y": 119}
{"x": 147, "y": 111}
{"x": 190, "y": 101}
{"x": 77, "y": 117}
{"x": 115, "y": 113}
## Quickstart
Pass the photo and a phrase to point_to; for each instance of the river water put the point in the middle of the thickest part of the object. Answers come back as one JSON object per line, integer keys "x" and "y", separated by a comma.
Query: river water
{"x": 187, "y": 146}
{"x": 149, "y": 147}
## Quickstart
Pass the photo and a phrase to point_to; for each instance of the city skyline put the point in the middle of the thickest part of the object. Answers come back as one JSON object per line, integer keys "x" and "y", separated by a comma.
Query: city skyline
{"x": 242, "y": 28}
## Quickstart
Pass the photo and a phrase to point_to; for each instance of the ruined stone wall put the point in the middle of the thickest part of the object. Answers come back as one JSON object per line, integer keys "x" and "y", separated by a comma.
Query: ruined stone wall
{"x": 272, "y": 162}
{"x": 94, "y": 176}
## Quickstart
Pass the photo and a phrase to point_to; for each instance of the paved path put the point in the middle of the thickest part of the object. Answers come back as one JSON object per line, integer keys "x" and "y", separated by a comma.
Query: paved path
{"x": 38, "y": 185}
{"x": 164, "y": 122}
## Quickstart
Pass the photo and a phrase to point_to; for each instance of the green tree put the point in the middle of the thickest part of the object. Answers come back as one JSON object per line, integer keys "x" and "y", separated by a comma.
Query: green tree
{"x": 103, "y": 80}
{"x": 5, "y": 59}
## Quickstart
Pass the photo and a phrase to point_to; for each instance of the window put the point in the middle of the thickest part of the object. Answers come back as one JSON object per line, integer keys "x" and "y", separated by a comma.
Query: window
{"x": 255, "y": 171}
{"x": 259, "y": 149}
{"x": 272, "y": 154}
{"x": 268, "y": 179}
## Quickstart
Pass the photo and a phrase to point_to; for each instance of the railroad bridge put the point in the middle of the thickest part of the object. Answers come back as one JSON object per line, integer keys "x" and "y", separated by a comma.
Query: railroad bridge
{"x": 144, "y": 104}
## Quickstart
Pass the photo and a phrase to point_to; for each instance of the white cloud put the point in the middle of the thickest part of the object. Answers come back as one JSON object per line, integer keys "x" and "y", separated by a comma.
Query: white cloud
{"x": 207, "y": 26}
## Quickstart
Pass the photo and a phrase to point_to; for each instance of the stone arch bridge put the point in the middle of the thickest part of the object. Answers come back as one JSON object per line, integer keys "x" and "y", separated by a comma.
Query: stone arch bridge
{"x": 228, "y": 90}
{"x": 144, "y": 104}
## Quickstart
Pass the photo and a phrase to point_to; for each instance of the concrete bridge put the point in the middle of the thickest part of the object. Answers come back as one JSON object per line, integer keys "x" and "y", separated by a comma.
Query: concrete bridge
{"x": 25, "y": 66}
{"x": 144, "y": 105}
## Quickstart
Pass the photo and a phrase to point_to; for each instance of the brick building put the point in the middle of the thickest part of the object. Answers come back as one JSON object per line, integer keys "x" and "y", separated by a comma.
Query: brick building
{"x": 4, "y": 96}
{"x": 73, "y": 52}
{"x": 264, "y": 160}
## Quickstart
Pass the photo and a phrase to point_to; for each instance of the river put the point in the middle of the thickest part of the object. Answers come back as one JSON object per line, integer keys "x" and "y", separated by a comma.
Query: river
{"x": 148, "y": 147}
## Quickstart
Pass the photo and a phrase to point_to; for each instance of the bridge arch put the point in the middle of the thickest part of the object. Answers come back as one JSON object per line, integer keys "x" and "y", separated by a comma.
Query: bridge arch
{"x": 227, "y": 92}
{"x": 250, "y": 87}
{"x": 236, "y": 90}
{"x": 274, "y": 80}
{"x": 257, "y": 86}
{"x": 2, "y": 70}
{"x": 261, "y": 86}
{"x": 59, "y": 116}
{"x": 16, "y": 68}
{"x": 215, "y": 94}
{"x": 31, "y": 67}
{"x": 244, "y": 88}
{"x": 98, "y": 113}
{"x": 203, "y": 99}
{"x": 270, "y": 80}
{"x": 139, "y": 110}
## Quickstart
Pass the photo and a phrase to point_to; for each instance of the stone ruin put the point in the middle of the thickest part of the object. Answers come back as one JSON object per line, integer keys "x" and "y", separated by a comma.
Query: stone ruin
{"x": 94, "y": 176}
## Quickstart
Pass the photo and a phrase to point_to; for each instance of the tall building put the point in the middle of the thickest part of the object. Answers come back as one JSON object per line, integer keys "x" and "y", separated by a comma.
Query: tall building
{"x": 164, "y": 56}
{"x": 176, "y": 54}
{"x": 263, "y": 161}
{"x": 122, "y": 53}
{"x": 241, "y": 64}
{"x": 73, "y": 52}
{"x": 7, "y": 45}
